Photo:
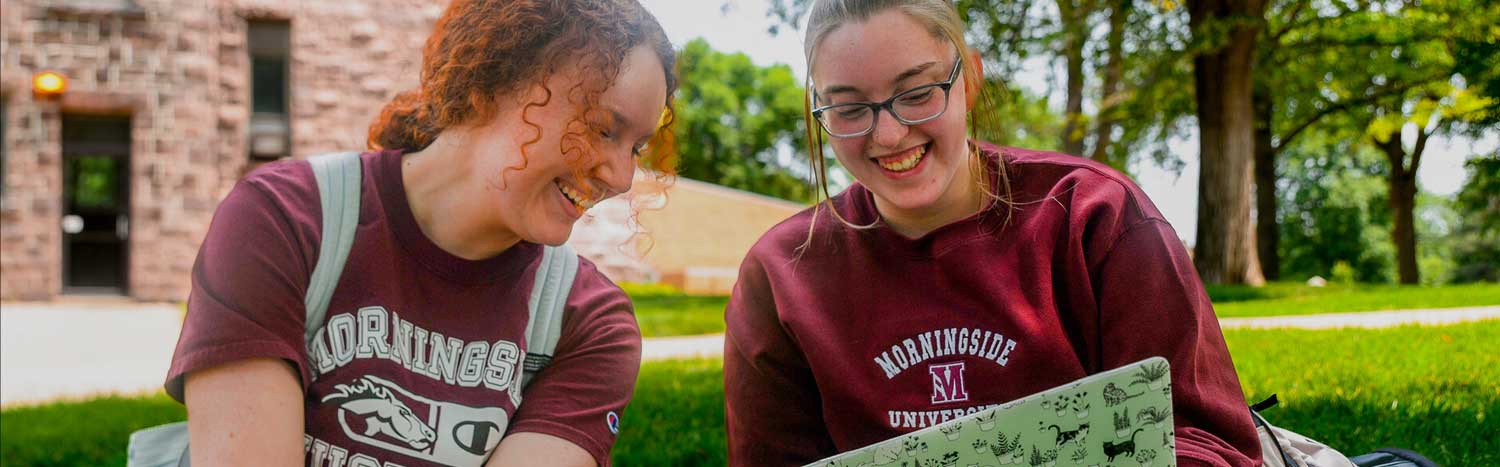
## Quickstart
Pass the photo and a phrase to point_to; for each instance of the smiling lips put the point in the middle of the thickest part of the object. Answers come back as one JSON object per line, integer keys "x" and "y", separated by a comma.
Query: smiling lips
{"x": 904, "y": 161}
{"x": 580, "y": 202}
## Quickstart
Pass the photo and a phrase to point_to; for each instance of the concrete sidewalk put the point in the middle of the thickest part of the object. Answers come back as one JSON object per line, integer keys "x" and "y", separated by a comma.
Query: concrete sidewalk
{"x": 79, "y": 348}
{"x": 1368, "y": 319}
{"x": 86, "y": 347}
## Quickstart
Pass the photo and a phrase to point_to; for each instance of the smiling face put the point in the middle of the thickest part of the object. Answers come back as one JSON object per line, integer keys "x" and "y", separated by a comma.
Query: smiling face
{"x": 571, "y": 165}
{"x": 919, "y": 172}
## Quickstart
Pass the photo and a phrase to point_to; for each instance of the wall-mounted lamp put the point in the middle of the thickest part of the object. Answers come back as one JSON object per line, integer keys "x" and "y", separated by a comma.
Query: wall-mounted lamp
{"x": 49, "y": 84}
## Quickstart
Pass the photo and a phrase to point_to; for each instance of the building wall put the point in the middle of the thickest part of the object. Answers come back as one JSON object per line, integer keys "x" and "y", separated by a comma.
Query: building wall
{"x": 699, "y": 236}
{"x": 180, "y": 70}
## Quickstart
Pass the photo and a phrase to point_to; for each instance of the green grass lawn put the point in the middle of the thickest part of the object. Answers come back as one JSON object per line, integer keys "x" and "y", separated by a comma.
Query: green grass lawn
{"x": 85, "y": 433}
{"x": 679, "y": 315}
{"x": 664, "y": 311}
{"x": 1434, "y": 390}
{"x": 1431, "y": 389}
{"x": 1284, "y": 298}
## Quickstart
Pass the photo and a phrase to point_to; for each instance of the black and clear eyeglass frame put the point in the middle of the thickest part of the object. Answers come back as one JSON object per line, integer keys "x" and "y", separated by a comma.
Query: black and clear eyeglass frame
{"x": 875, "y": 107}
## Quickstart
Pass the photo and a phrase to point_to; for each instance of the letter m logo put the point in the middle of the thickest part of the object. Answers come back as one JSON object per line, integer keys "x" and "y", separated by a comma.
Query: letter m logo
{"x": 948, "y": 382}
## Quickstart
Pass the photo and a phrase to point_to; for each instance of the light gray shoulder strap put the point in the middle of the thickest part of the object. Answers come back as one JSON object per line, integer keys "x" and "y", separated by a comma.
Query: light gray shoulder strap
{"x": 549, "y": 297}
{"x": 339, "y": 180}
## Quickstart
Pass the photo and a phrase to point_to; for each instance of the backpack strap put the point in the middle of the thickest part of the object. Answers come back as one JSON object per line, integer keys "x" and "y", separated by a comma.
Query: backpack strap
{"x": 1264, "y": 426}
{"x": 339, "y": 181}
{"x": 549, "y": 295}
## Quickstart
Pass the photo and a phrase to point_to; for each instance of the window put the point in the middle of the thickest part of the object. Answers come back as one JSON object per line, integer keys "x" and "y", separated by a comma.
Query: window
{"x": 270, "y": 53}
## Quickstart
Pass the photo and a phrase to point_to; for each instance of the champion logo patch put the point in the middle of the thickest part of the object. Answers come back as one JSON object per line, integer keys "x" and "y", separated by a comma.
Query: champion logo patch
{"x": 613, "y": 419}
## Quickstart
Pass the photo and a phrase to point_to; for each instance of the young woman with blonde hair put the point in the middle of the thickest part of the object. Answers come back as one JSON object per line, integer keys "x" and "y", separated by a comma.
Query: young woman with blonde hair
{"x": 954, "y": 275}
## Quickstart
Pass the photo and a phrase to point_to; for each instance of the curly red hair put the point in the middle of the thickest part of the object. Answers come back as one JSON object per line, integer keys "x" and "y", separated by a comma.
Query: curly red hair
{"x": 483, "y": 49}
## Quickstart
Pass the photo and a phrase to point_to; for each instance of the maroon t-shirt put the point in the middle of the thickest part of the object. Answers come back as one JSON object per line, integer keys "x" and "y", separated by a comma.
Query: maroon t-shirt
{"x": 838, "y": 346}
{"x": 417, "y": 362}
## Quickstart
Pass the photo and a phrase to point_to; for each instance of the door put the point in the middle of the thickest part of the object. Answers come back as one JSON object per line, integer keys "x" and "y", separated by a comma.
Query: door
{"x": 96, "y": 204}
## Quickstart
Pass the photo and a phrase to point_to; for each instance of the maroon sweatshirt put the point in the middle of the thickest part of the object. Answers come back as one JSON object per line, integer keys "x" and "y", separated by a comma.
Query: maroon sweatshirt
{"x": 838, "y": 346}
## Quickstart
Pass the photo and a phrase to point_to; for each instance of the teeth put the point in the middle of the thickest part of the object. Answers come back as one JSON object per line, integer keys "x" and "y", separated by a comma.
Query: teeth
{"x": 905, "y": 163}
{"x": 579, "y": 200}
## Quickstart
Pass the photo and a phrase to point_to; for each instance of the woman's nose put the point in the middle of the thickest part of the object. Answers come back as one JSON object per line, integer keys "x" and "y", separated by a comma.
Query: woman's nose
{"x": 888, "y": 131}
{"x": 617, "y": 171}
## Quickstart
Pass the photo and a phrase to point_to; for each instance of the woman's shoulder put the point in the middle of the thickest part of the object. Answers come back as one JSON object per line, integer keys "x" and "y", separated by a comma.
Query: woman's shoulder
{"x": 286, "y": 183}
{"x": 599, "y": 301}
{"x": 1083, "y": 185}
{"x": 593, "y": 280}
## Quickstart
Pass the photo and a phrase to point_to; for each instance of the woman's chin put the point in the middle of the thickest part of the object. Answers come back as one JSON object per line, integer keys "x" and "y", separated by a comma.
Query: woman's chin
{"x": 551, "y": 235}
{"x": 908, "y": 201}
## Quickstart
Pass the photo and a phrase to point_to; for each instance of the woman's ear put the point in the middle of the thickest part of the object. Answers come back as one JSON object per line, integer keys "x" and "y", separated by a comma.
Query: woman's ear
{"x": 975, "y": 69}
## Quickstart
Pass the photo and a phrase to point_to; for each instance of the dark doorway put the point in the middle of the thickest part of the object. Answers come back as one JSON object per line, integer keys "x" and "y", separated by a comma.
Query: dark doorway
{"x": 96, "y": 203}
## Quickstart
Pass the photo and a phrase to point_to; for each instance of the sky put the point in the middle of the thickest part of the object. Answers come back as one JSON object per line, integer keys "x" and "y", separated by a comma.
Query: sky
{"x": 742, "y": 26}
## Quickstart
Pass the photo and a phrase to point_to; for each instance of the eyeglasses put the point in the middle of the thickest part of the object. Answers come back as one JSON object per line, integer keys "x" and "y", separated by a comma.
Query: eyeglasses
{"x": 916, "y": 105}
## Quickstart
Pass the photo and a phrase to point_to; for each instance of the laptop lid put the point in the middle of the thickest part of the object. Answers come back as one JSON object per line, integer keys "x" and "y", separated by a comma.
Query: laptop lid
{"x": 1121, "y": 417}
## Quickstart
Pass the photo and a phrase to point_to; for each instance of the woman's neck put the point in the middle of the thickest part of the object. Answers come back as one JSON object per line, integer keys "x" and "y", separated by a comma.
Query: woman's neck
{"x": 964, "y": 198}
{"x": 450, "y": 200}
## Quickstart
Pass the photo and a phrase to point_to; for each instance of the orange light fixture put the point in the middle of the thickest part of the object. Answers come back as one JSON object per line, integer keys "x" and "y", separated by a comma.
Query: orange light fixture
{"x": 49, "y": 83}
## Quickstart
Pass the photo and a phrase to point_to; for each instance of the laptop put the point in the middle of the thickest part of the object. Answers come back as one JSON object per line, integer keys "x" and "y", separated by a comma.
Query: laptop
{"x": 1121, "y": 417}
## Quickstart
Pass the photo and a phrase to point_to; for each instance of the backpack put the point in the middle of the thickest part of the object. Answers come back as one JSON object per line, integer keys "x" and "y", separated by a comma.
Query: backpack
{"x": 1280, "y": 447}
{"x": 339, "y": 179}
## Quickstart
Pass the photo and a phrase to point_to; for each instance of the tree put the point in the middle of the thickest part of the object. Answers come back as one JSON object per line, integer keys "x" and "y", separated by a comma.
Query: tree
{"x": 1023, "y": 120}
{"x": 733, "y": 116}
{"x": 1477, "y": 236}
{"x": 1320, "y": 61}
{"x": 1333, "y": 195}
{"x": 1411, "y": 65}
{"x": 1113, "y": 73}
{"x": 1073, "y": 21}
{"x": 1225, "y": 35}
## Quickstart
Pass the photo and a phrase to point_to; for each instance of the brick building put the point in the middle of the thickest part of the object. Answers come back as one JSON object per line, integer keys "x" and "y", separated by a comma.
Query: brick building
{"x": 108, "y": 187}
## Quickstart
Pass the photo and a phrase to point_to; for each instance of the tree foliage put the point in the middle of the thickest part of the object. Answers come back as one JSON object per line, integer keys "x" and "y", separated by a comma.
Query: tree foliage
{"x": 1333, "y": 198}
{"x": 733, "y": 117}
{"x": 1476, "y": 238}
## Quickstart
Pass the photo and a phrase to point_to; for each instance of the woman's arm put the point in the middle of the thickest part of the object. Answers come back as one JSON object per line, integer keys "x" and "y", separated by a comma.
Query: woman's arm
{"x": 1151, "y": 302}
{"x": 773, "y": 411}
{"x": 246, "y": 412}
{"x": 241, "y": 349}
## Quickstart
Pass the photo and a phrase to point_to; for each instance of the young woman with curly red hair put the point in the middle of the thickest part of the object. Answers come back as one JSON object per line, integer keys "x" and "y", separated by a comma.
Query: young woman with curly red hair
{"x": 528, "y": 113}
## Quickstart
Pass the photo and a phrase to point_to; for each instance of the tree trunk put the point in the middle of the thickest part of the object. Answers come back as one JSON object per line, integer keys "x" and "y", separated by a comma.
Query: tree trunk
{"x": 1225, "y": 250}
{"x": 1114, "y": 71}
{"x": 1402, "y": 201}
{"x": 1075, "y": 31}
{"x": 1267, "y": 232}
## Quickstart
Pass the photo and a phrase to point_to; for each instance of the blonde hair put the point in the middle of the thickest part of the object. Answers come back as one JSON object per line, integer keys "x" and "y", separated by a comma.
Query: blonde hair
{"x": 944, "y": 23}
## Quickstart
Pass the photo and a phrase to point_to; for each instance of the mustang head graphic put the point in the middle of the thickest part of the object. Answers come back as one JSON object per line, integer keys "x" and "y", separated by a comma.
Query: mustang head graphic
{"x": 383, "y": 412}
